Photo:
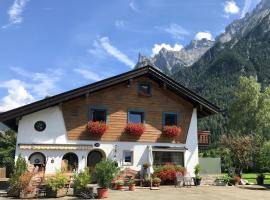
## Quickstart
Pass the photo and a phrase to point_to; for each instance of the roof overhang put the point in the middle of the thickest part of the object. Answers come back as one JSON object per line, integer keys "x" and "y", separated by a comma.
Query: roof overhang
{"x": 204, "y": 107}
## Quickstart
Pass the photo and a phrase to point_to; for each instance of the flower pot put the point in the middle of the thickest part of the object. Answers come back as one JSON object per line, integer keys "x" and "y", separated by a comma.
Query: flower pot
{"x": 102, "y": 193}
{"x": 58, "y": 193}
{"x": 260, "y": 181}
{"x": 27, "y": 195}
{"x": 120, "y": 187}
{"x": 131, "y": 187}
{"x": 156, "y": 184}
{"x": 197, "y": 181}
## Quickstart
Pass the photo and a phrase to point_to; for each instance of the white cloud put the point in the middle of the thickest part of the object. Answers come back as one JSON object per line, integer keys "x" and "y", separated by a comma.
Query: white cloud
{"x": 17, "y": 95}
{"x": 15, "y": 12}
{"x": 88, "y": 74}
{"x": 103, "y": 44}
{"x": 204, "y": 34}
{"x": 176, "y": 31}
{"x": 40, "y": 84}
{"x": 133, "y": 6}
{"x": 246, "y": 8}
{"x": 158, "y": 47}
{"x": 120, "y": 24}
{"x": 230, "y": 7}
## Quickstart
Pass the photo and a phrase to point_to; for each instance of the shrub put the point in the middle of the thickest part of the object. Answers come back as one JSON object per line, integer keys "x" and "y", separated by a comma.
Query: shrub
{"x": 82, "y": 179}
{"x": 57, "y": 181}
{"x": 96, "y": 128}
{"x": 24, "y": 181}
{"x": 19, "y": 169}
{"x": 135, "y": 129}
{"x": 106, "y": 170}
{"x": 156, "y": 180}
{"x": 131, "y": 182}
{"x": 119, "y": 182}
{"x": 171, "y": 131}
{"x": 167, "y": 173}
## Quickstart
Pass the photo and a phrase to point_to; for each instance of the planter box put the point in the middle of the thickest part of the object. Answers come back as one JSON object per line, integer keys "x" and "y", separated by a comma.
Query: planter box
{"x": 31, "y": 195}
{"x": 56, "y": 194}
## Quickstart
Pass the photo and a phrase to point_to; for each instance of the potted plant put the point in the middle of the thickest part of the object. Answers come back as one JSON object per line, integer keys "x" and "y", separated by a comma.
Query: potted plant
{"x": 135, "y": 129}
{"x": 171, "y": 131}
{"x": 81, "y": 180}
{"x": 96, "y": 128}
{"x": 198, "y": 178}
{"x": 156, "y": 182}
{"x": 105, "y": 171}
{"x": 119, "y": 184}
{"x": 131, "y": 185}
{"x": 56, "y": 185}
{"x": 237, "y": 180}
{"x": 260, "y": 179}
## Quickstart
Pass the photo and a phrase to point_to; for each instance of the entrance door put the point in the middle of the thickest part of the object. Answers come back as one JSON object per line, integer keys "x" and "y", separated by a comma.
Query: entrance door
{"x": 93, "y": 158}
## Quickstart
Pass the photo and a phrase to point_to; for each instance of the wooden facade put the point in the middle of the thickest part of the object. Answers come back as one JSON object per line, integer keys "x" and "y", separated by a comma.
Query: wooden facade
{"x": 120, "y": 98}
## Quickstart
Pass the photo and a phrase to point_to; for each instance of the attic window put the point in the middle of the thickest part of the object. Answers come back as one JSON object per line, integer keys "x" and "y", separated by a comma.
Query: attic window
{"x": 98, "y": 115}
{"x": 144, "y": 89}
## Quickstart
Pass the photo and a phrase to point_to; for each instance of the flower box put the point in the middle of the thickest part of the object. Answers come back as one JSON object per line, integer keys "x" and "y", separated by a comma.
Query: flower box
{"x": 171, "y": 131}
{"x": 135, "y": 129}
{"x": 96, "y": 128}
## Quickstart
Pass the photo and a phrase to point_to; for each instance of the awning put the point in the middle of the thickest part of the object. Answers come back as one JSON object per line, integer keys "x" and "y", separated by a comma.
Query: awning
{"x": 54, "y": 147}
{"x": 166, "y": 148}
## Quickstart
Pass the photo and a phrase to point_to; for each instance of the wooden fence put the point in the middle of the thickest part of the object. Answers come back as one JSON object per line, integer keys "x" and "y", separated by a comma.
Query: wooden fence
{"x": 3, "y": 172}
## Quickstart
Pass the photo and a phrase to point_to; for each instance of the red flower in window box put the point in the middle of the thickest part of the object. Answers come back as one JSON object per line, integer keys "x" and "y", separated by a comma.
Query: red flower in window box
{"x": 96, "y": 128}
{"x": 171, "y": 131}
{"x": 135, "y": 129}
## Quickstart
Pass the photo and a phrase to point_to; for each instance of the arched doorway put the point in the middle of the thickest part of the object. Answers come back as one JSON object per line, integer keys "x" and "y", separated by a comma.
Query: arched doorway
{"x": 94, "y": 157}
{"x": 69, "y": 162}
{"x": 38, "y": 160}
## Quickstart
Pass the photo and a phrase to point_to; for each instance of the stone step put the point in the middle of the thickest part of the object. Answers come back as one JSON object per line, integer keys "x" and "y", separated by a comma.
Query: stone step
{"x": 209, "y": 179}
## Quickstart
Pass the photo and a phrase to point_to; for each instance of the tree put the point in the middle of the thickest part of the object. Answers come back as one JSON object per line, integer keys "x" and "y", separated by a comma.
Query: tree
{"x": 240, "y": 151}
{"x": 7, "y": 150}
{"x": 249, "y": 112}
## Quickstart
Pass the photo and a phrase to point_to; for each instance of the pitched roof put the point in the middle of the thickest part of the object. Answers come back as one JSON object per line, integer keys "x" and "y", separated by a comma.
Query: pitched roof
{"x": 205, "y": 108}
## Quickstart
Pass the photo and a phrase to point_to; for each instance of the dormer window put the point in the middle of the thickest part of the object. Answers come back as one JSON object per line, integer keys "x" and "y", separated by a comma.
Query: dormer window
{"x": 144, "y": 89}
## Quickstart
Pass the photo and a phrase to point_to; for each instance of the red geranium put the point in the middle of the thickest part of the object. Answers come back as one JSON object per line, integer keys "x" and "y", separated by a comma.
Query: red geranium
{"x": 96, "y": 128}
{"x": 171, "y": 131}
{"x": 135, "y": 129}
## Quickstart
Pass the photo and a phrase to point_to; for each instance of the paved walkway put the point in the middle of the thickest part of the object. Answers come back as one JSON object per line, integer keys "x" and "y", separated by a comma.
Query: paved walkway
{"x": 199, "y": 193}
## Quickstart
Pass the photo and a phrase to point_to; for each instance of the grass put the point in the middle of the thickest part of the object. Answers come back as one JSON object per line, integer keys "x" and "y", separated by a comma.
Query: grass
{"x": 251, "y": 177}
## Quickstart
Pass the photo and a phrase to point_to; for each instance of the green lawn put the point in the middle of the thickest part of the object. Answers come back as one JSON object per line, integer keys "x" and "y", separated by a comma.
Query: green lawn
{"x": 251, "y": 177}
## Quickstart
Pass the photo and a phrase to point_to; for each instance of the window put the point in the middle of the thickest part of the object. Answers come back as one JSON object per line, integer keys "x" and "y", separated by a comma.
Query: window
{"x": 170, "y": 119}
{"x": 135, "y": 117}
{"x": 166, "y": 157}
{"x": 98, "y": 115}
{"x": 127, "y": 157}
{"x": 40, "y": 126}
{"x": 144, "y": 89}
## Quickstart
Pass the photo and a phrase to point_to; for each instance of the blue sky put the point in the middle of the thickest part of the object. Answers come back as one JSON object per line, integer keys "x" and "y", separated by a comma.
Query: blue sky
{"x": 49, "y": 46}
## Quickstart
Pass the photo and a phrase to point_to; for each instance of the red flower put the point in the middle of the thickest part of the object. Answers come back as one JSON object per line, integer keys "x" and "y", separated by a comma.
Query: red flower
{"x": 135, "y": 129}
{"x": 171, "y": 131}
{"x": 96, "y": 128}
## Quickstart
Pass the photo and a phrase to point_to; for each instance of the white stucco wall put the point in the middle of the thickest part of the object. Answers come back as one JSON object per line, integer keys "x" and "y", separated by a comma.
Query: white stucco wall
{"x": 55, "y": 133}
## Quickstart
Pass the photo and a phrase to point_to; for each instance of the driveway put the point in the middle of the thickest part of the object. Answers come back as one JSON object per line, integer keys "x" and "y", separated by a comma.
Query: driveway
{"x": 199, "y": 193}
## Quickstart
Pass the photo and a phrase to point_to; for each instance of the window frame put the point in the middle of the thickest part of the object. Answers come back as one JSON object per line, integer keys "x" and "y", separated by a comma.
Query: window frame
{"x": 170, "y": 113}
{"x": 150, "y": 89}
{"x": 137, "y": 111}
{"x": 98, "y": 108}
{"x": 171, "y": 151}
{"x": 124, "y": 157}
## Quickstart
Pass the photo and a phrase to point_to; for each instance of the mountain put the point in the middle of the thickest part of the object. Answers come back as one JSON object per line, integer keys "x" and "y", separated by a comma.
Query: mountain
{"x": 213, "y": 69}
{"x": 243, "y": 50}
{"x": 171, "y": 61}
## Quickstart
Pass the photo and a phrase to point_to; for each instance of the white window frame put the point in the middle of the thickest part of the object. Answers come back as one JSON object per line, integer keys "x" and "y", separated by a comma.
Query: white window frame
{"x": 132, "y": 156}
